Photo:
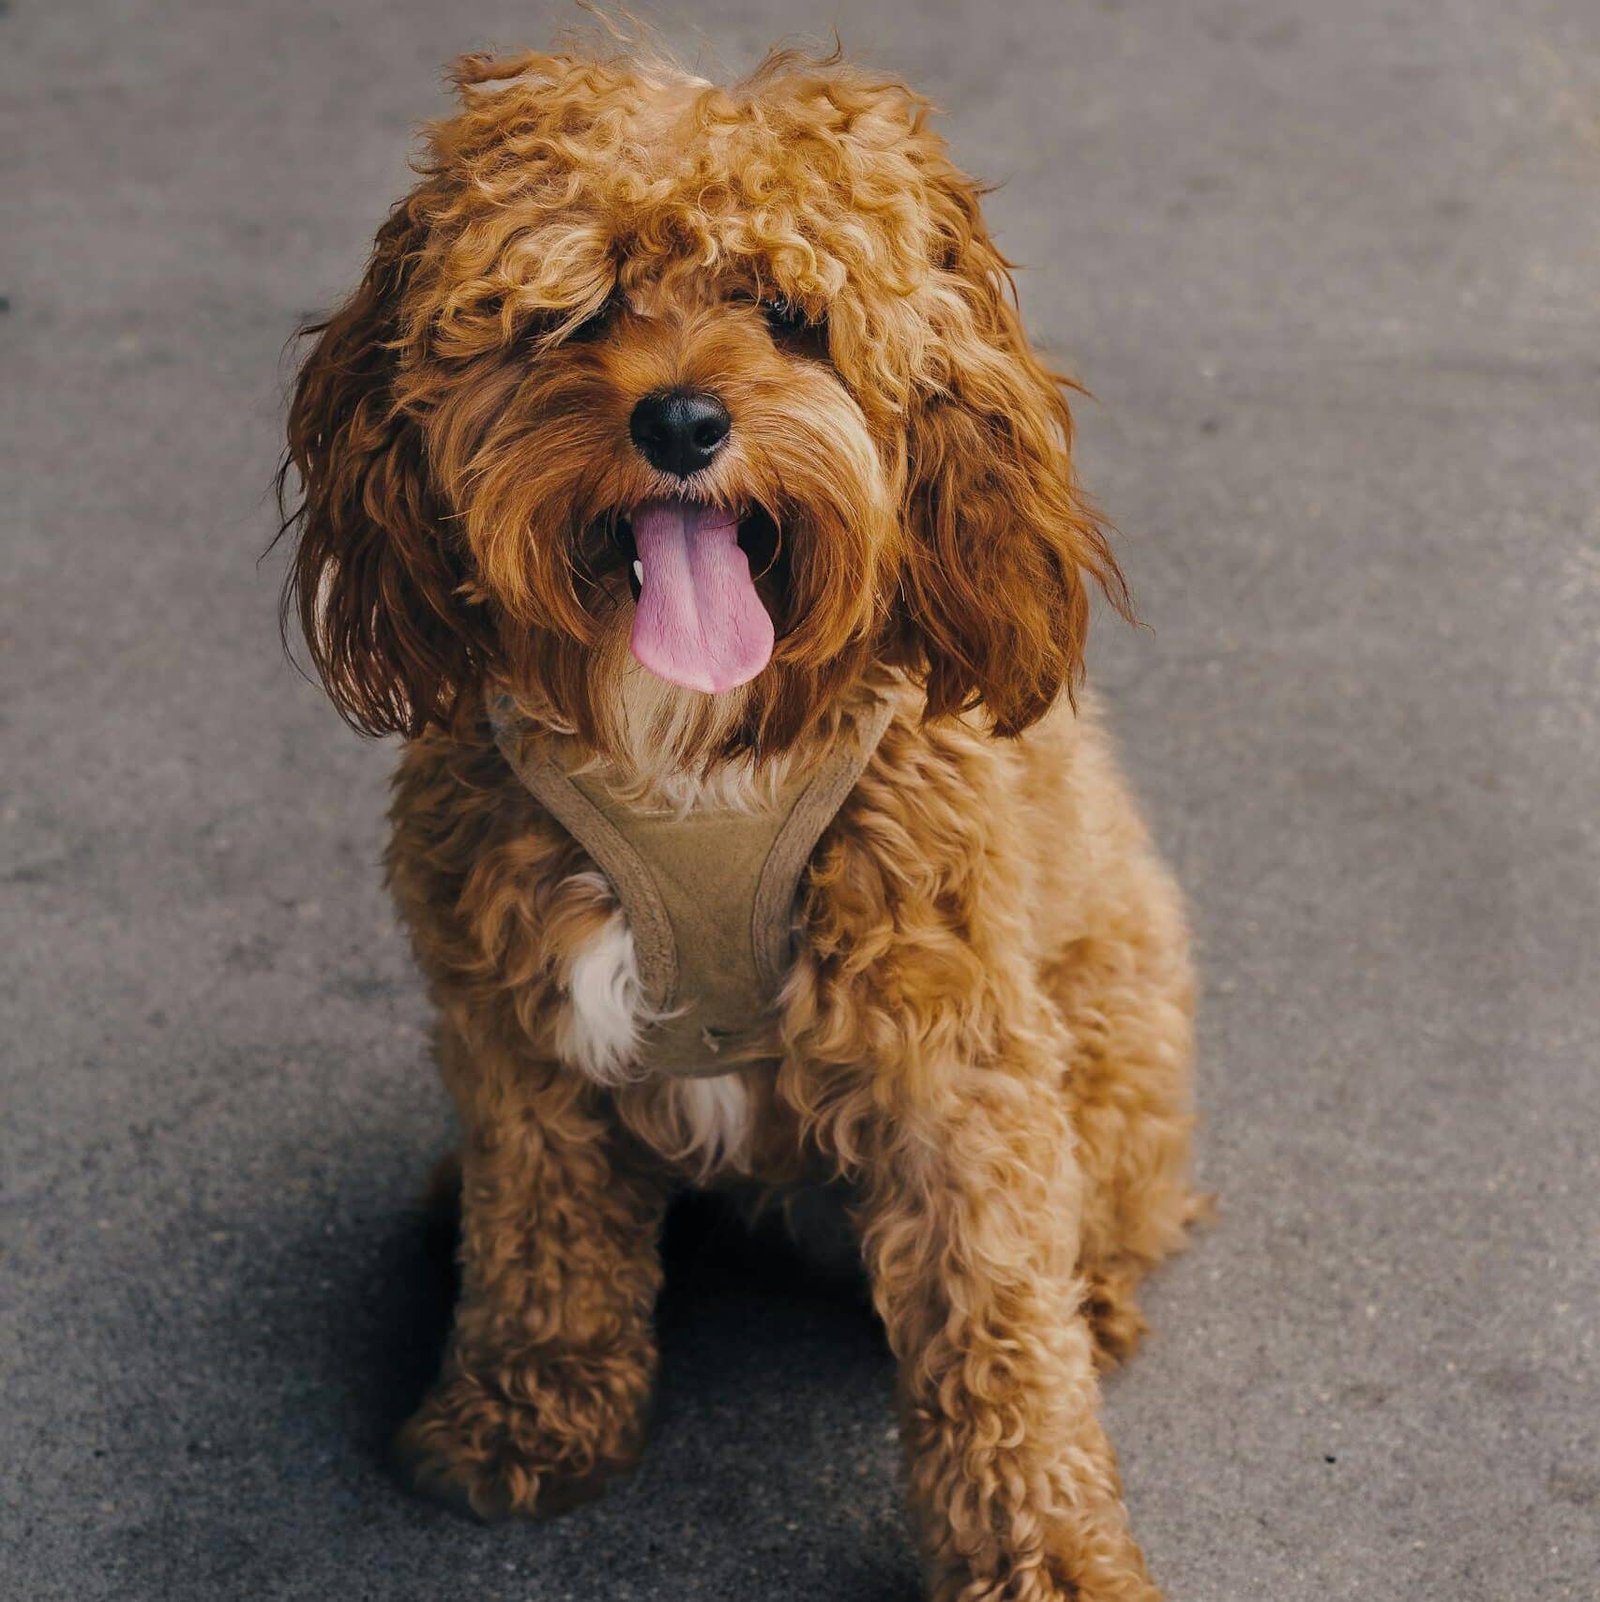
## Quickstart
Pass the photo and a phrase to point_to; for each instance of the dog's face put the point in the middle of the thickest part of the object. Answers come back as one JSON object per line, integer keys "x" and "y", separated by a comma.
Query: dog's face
{"x": 720, "y": 383}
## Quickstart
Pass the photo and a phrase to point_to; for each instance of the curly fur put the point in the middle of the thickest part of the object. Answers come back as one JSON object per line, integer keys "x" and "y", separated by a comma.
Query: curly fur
{"x": 985, "y": 1034}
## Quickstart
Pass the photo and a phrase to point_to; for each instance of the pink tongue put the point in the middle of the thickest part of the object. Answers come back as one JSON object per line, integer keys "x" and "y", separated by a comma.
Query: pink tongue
{"x": 699, "y": 621}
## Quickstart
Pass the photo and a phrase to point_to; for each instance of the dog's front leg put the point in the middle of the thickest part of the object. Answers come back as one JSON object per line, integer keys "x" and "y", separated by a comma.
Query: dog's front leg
{"x": 547, "y": 1378}
{"x": 970, "y": 1233}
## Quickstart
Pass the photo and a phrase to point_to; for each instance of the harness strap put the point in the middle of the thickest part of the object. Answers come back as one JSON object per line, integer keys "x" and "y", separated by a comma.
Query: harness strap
{"x": 534, "y": 762}
{"x": 816, "y": 807}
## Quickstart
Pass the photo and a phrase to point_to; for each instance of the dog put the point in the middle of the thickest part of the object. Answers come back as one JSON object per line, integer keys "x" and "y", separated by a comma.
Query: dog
{"x": 680, "y": 483}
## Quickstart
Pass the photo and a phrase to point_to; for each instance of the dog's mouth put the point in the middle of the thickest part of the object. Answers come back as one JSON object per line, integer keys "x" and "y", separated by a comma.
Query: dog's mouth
{"x": 699, "y": 620}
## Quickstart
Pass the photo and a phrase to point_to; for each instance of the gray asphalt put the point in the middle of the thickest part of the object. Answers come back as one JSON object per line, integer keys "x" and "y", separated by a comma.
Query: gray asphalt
{"x": 1331, "y": 272}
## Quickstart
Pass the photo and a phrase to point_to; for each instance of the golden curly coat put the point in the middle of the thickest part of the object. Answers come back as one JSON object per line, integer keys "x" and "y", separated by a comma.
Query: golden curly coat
{"x": 985, "y": 1034}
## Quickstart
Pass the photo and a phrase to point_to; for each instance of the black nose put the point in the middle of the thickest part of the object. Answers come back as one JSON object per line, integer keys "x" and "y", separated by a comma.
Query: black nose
{"x": 679, "y": 431}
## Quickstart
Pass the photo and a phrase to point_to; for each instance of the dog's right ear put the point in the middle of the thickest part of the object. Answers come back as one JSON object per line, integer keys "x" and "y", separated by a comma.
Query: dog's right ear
{"x": 375, "y": 578}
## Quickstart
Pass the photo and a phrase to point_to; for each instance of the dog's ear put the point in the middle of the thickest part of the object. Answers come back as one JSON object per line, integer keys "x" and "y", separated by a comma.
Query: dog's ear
{"x": 375, "y": 579}
{"x": 1001, "y": 546}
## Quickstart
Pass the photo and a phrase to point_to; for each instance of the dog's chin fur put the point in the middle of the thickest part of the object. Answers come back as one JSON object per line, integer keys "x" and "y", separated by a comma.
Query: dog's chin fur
{"x": 666, "y": 746}
{"x": 984, "y": 1037}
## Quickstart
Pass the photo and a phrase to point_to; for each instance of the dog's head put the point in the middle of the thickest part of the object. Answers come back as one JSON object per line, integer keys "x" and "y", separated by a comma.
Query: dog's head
{"x": 724, "y": 382}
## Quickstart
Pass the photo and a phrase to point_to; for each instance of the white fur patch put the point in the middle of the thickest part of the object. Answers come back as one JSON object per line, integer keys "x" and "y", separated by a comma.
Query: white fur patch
{"x": 714, "y": 1117}
{"x": 598, "y": 1030}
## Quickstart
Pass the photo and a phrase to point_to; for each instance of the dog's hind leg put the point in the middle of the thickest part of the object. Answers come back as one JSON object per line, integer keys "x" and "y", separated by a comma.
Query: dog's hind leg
{"x": 1126, "y": 996}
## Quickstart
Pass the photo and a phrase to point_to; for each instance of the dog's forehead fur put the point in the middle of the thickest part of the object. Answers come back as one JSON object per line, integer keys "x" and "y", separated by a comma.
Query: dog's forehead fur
{"x": 562, "y": 180}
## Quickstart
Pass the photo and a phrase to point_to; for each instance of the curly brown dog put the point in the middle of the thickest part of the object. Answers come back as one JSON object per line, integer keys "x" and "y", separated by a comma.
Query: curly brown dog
{"x": 680, "y": 483}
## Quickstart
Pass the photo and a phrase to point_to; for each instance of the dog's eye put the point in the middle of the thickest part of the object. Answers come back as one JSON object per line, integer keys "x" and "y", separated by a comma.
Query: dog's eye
{"x": 783, "y": 315}
{"x": 594, "y": 323}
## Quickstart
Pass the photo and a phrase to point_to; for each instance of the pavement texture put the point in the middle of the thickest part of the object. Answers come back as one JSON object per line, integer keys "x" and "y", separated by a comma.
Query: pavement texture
{"x": 1331, "y": 272}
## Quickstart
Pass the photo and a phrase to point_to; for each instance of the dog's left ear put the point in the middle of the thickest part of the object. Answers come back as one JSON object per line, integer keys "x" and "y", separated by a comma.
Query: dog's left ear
{"x": 1002, "y": 547}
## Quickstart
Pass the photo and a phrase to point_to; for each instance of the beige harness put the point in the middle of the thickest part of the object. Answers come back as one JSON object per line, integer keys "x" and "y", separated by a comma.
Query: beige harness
{"x": 709, "y": 895}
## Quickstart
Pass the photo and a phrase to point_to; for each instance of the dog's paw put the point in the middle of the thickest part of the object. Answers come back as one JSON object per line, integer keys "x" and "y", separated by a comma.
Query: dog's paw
{"x": 1084, "y": 1576}
{"x": 1039, "y": 1585}
{"x": 476, "y": 1452}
